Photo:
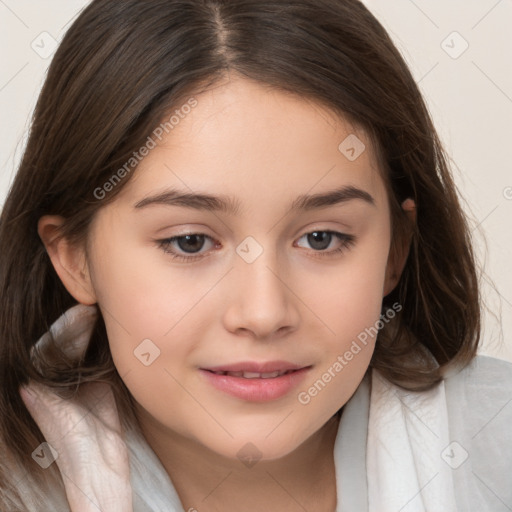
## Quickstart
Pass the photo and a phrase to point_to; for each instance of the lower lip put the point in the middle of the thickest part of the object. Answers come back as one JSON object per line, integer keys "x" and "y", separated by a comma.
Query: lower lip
{"x": 257, "y": 390}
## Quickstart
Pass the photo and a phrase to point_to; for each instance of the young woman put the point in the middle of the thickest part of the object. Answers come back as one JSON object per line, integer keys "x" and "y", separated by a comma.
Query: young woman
{"x": 236, "y": 275}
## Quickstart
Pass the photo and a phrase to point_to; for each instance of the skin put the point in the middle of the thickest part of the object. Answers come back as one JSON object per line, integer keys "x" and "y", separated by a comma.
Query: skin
{"x": 295, "y": 303}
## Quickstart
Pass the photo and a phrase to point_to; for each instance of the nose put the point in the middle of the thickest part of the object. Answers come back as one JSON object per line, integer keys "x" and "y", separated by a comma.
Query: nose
{"x": 261, "y": 299}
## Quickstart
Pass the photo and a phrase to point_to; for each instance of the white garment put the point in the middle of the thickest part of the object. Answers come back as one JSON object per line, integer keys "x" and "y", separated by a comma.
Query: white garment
{"x": 445, "y": 450}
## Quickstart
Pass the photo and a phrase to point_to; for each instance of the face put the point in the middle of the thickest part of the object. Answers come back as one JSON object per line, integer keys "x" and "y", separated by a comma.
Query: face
{"x": 275, "y": 281}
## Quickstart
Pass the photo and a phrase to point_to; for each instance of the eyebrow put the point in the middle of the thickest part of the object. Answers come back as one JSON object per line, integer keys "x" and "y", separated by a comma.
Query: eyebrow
{"x": 230, "y": 205}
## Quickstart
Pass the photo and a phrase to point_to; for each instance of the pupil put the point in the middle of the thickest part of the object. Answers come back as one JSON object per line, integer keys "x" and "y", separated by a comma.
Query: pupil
{"x": 194, "y": 246}
{"x": 317, "y": 239}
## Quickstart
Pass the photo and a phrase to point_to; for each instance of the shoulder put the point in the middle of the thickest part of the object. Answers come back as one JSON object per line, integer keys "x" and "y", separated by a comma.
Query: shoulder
{"x": 479, "y": 407}
{"x": 481, "y": 392}
{"x": 21, "y": 491}
{"x": 483, "y": 375}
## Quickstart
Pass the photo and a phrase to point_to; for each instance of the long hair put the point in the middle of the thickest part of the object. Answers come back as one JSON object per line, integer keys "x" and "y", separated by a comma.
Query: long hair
{"x": 120, "y": 69}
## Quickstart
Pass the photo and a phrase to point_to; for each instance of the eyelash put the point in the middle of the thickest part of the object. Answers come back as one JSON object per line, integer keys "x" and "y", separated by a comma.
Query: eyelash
{"x": 347, "y": 242}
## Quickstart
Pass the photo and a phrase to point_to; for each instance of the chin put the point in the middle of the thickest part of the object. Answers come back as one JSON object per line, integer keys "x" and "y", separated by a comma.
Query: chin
{"x": 259, "y": 447}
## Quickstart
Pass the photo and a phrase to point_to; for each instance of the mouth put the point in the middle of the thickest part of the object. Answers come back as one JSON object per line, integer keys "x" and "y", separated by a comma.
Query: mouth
{"x": 254, "y": 375}
{"x": 256, "y": 382}
{"x": 269, "y": 368}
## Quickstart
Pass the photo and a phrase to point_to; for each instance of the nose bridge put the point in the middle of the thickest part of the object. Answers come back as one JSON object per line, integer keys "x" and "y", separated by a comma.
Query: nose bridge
{"x": 257, "y": 266}
{"x": 261, "y": 300}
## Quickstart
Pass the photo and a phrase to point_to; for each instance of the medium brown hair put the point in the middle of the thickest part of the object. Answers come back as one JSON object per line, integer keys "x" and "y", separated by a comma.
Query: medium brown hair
{"x": 122, "y": 66}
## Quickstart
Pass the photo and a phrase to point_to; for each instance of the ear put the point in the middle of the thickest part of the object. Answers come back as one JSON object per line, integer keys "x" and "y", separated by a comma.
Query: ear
{"x": 69, "y": 261}
{"x": 399, "y": 251}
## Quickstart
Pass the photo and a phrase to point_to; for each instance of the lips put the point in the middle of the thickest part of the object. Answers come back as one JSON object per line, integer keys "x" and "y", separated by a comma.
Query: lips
{"x": 254, "y": 375}
{"x": 252, "y": 367}
{"x": 256, "y": 382}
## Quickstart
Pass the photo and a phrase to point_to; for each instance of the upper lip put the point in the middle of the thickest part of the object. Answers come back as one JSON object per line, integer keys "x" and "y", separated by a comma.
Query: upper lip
{"x": 252, "y": 366}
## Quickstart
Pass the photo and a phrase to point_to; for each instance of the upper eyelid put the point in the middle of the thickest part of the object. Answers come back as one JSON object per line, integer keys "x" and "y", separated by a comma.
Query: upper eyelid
{"x": 198, "y": 233}
{"x": 215, "y": 241}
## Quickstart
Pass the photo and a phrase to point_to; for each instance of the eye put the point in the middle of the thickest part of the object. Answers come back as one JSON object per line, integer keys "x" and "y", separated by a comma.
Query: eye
{"x": 187, "y": 247}
{"x": 321, "y": 240}
{"x": 189, "y": 243}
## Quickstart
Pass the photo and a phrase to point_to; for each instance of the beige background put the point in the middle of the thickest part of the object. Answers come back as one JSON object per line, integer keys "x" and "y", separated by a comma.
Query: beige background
{"x": 460, "y": 52}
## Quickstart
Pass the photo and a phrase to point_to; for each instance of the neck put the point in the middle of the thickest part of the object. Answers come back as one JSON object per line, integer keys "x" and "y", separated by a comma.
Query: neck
{"x": 206, "y": 481}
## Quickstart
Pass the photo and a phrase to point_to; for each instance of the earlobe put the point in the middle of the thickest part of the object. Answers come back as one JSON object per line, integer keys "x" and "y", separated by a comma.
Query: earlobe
{"x": 399, "y": 251}
{"x": 69, "y": 261}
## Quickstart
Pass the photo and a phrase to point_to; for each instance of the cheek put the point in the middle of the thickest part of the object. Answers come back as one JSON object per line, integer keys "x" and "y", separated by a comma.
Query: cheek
{"x": 349, "y": 306}
{"x": 346, "y": 305}
{"x": 349, "y": 299}
{"x": 152, "y": 315}
{"x": 146, "y": 315}
{"x": 140, "y": 292}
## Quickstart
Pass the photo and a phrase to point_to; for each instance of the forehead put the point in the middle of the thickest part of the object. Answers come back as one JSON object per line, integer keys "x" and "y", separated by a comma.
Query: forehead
{"x": 247, "y": 140}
